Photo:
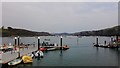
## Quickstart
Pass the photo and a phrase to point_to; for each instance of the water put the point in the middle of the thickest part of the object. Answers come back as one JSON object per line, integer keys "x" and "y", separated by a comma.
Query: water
{"x": 81, "y": 52}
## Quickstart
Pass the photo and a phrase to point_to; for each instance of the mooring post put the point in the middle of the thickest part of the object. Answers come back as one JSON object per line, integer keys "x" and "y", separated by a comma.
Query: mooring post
{"x": 38, "y": 43}
{"x": 96, "y": 41}
{"x": 18, "y": 40}
{"x": 19, "y": 47}
{"x": 61, "y": 43}
{"x": 105, "y": 42}
{"x": 116, "y": 38}
{"x": 15, "y": 41}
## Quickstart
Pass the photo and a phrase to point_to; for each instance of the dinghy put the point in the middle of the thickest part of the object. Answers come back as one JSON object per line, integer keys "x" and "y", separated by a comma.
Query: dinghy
{"x": 31, "y": 55}
{"x": 65, "y": 47}
{"x": 15, "y": 62}
{"x": 51, "y": 49}
{"x": 27, "y": 59}
{"x": 39, "y": 54}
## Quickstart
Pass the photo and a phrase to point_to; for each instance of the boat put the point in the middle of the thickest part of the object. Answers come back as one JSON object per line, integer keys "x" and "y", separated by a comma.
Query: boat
{"x": 43, "y": 49}
{"x": 65, "y": 47}
{"x": 15, "y": 62}
{"x": 39, "y": 54}
{"x": 27, "y": 59}
{"x": 51, "y": 49}
{"x": 31, "y": 55}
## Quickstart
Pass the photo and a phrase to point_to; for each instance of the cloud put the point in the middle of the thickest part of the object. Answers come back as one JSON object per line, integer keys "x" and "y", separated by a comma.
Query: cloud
{"x": 0, "y": 14}
{"x": 60, "y": 17}
{"x": 59, "y": 0}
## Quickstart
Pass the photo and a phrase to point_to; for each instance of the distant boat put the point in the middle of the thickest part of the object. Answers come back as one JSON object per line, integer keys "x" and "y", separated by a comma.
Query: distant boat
{"x": 65, "y": 47}
{"x": 15, "y": 62}
{"x": 47, "y": 39}
{"x": 79, "y": 36}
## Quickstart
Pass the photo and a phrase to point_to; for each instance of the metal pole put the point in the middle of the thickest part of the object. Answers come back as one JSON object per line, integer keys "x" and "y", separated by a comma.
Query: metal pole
{"x": 15, "y": 41}
{"x": 116, "y": 38}
{"x": 105, "y": 42}
{"x": 38, "y": 43}
{"x": 61, "y": 43}
{"x": 19, "y": 47}
{"x": 96, "y": 41}
{"x": 18, "y": 40}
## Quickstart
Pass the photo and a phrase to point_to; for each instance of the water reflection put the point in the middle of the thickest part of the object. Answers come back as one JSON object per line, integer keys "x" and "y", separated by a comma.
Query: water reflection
{"x": 61, "y": 53}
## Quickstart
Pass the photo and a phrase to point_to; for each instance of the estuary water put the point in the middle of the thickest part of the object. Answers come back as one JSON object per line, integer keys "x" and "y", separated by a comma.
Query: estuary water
{"x": 81, "y": 52}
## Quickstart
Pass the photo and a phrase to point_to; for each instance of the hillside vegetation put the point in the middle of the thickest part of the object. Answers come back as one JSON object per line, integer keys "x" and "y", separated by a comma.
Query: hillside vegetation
{"x": 21, "y": 32}
{"x": 104, "y": 32}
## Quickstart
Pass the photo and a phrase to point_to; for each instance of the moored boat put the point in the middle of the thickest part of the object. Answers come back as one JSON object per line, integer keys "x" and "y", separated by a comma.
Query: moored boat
{"x": 43, "y": 49}
{"x": 15, "y": 62}
{"x": 51, "y": 49}
{"x": 39, "y": 54}
{"x": 27, "y": 59}
{"x": 65, "y": 47}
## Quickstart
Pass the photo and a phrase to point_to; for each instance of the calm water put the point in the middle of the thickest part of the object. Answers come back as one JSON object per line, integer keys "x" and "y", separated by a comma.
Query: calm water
{"x": 81, "y": 52}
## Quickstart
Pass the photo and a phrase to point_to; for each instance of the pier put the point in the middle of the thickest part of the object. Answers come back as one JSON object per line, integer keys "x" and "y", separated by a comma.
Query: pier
{"x": 111, "y": 44}
{"x": 11, "y": 55}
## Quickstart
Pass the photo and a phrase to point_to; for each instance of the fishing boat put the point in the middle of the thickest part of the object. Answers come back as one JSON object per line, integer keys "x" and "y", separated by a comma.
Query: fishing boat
{"x": 27, "y": 59}
{"x": 15, "y": 62}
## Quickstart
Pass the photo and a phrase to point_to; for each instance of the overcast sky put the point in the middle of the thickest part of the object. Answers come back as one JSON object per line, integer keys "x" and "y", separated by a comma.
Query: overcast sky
{"x": 60, "y": 16}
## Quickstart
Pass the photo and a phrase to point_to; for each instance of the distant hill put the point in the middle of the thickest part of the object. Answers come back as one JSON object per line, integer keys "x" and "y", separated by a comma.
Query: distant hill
{"x": 21, "y": 32}
{"x": 103, "y": 32}
{"x": 62, "y": 34}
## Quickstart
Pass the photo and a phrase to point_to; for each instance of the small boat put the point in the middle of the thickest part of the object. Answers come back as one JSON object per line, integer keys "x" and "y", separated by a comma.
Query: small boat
{"x": 27, "y": 59}
{"x": 65, "y": 47}
{"x": 15, "y": 62}
{"x": 43, "y": 49}
{"x": 51, "y": 49}
{"x": 96, "y": 45}
{"x": 31, "y": 55}
{"x": 39, "y": 54}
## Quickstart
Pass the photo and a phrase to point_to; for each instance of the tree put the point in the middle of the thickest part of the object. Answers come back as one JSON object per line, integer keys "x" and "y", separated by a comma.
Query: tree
{"x": 9, "y": 28}
{"x": 2, "y": 27}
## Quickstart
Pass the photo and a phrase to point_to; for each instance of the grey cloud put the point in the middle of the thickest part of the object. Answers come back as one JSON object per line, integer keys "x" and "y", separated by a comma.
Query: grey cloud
{"x": 60, "y": 17}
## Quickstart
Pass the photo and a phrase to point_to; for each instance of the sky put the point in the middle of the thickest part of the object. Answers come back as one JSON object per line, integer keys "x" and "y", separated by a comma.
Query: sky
{"x": 56, "y": 17}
